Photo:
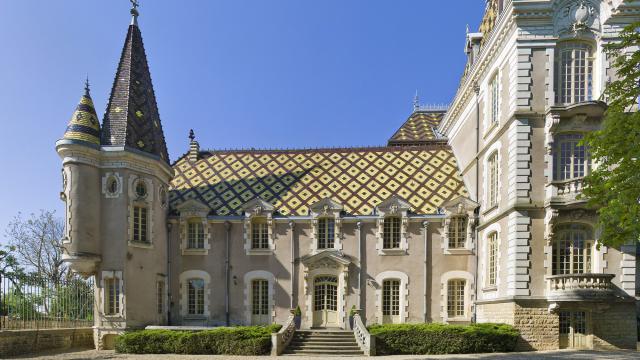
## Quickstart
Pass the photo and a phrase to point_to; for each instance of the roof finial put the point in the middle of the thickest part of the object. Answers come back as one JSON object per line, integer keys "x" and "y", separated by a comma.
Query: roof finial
{"x": 86, "y": 87}
{"x": 467, "y": 29}
{"x": 416, "y": 102}
{"x": 192, "y": 135}
{"x": 134, "y": 12}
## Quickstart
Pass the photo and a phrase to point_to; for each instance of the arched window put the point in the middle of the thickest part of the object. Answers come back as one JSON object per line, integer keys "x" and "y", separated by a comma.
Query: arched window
{"x": 571, "y": 159}
{"x": 492, "y": 179}
{"x": 455, "y": 298}
{"x": 259, "y": 233}
{"x": 572, "y": 249}
{"x": 391, "y": 301}
{"x": 457, "y": 232}
{"x": 391, "y": 233}
{"x": 195, "y": 297}
{"x": 326, "y": 233}
{"x": 492, "y": 259}
{"x": 195, "y": 234}
{"x": 574, "y": 73}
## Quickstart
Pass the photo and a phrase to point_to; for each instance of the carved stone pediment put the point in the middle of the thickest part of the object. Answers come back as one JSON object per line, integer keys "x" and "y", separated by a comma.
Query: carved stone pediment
{"x": 327, "y": 259}
{"x": 395, "y": 205}
{"x": 576, "y": 17}
{"x": 460, "y": 206}
{"x": 257, "y": 207}
{"x": 326, "y": 207}
{"x": 192, "y": 208}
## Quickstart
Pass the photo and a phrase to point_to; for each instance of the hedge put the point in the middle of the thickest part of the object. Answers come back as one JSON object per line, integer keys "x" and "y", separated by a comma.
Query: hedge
{"x": 242, "y": 340}
{"x": 422, "y": 339}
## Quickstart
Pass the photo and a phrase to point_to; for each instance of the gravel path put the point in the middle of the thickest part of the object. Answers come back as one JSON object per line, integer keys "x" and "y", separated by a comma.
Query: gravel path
{"x": 564, "y": 355}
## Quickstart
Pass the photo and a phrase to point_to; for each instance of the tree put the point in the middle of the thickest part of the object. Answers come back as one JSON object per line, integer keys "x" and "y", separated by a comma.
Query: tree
{"x": 37, "y": 244}
{"x": 9, "y": 268}
{"x": 613, "y": 187}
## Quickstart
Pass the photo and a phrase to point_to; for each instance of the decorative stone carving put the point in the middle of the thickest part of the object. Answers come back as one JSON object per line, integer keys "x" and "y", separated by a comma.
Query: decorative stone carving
{"x": 576, "y": 17}
{"x": 397, "y": 207}
{"x": 258, "y": 208}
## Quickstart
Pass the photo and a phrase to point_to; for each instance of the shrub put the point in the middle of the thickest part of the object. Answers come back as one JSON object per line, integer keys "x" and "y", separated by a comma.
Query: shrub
{"x": 422, "y": 339}
{"x": 242, "y": 340}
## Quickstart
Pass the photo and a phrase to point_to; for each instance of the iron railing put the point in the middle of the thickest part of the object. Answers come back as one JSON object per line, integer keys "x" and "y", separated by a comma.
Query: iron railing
{"x": 35, "y": 302}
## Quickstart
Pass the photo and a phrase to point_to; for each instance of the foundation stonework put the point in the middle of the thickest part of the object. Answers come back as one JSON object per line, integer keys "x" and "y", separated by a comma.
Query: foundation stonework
{"x": 21, "y": 342}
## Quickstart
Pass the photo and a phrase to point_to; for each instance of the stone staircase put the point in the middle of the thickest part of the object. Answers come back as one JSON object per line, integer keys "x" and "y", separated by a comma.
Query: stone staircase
{"x": 323, "y": 342}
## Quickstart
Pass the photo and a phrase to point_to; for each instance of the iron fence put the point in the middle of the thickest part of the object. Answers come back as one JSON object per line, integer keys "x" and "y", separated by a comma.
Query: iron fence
{"x": 34, "y": 302}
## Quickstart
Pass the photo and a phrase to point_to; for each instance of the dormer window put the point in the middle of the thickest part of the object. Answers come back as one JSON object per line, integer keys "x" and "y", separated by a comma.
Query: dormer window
{"x": 458, "y": 232}
{"x": 392, "y": 224}
{"x": 195, "y": 234}
{"x": 259, "y": 233}
{"x": 326, "y": 233}
{"x": 326, "y": 225}
{"x": 457, "y": 236}
{"x": 391, "y": 233}
{"x": 194, "y": 229}
{"x": 259, "y": 227}
{"x": 574, "y": 73}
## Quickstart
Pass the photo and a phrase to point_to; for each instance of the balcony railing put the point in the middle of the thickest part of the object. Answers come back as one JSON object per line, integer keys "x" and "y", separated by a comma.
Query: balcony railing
{"x": 579, "y": 286}
{"x": 564, "y": 190}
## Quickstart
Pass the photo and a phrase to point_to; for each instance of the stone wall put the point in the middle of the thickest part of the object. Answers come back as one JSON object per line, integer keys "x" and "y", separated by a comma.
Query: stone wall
{"x": 19, "y": 342}
{"x": 539, "y": 329}
{"x": 615, "y": 327}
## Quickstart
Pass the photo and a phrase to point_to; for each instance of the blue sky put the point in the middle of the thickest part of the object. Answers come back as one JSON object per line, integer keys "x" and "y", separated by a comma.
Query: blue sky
{"x": 241, "y": 73}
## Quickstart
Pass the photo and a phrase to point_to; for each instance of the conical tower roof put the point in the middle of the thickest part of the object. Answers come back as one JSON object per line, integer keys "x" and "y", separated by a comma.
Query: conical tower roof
{"x": 132, "y": 117}
{"x": 84, "y": 124}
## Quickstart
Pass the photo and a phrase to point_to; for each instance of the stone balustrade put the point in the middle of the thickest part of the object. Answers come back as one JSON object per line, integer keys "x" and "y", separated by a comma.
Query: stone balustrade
{"x": 579, "y": 286}
{"x": 365, "y": 340}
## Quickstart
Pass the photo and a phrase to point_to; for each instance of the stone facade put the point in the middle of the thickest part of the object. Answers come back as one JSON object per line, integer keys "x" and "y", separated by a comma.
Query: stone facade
{"x": 468, "y": 214}
{"x": 21, "y": 342}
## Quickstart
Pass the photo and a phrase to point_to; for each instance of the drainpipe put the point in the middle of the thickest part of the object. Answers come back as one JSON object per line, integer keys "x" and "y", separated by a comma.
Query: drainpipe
{"x": 227, "y": 227}
{"x": 291, "y": 229}
{"x": 359, "y": 239}
{"x": 168, "y": 284}
{"x": 476, "y": 89}
{"x": 425, "y": 226}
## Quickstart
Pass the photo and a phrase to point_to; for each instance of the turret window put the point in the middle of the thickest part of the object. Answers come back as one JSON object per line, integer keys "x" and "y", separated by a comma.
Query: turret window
{"x": 326, "y": 233}
{"x": 111, "y": 296}
{"x": 140, "y": 219}
{"x": 457, "y": 232}
{"x": 391, "y": 233}
{"x": 195, "y": 235}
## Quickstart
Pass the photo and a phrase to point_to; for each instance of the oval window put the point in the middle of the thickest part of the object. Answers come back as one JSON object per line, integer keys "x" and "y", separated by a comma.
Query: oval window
{"x": 141, "y": 189}
{"x": 112, "y": 185}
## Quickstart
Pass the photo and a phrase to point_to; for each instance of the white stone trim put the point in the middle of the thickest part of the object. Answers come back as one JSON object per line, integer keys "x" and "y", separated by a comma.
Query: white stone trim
{"x": 488, "y": 125}
{"x": 469, "y": 297}
{"x": 392, "y": 207}
{"x": 518, "y": 262}
{"x": 185, "y": 219}
{"x": 459, "y": 207}
{"x": 342, "y": 273}
{"x": 112, "y": 274}
{"x": 64, "y": 196}
{"x": 519, "y": 185}
{"x": 105, "y": 180}
{"x": 628, "y": 269}
{"x": 404, "y": 293}
{"x": 184, "y": 301}
{"x": 262, "y": 275}
{"x": 146, "y": 202}
{"x": 249, "y": 216}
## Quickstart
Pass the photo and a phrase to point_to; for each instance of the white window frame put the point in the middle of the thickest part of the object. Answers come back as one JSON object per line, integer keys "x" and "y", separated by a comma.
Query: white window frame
{"x": 323, "y": 209}
{"x": 570, "y": 94}
{"x": 113, "y": 274}
{"x": 588, "y": 250}
{"x": 194, "y": 211}
{"x": 493, "y": 101}
{"x": 493, "y": 251}
{"x": 394, "y": 207}
{"x": 468, "y": 295}
{"x": 184, "y": 293}
{"x": 248, "y": 279}
{"x": 258, "y": 209}
{"x": 460, "y": 206}
{"x": 404, "y": 294}
{"x": 571, "y": 139}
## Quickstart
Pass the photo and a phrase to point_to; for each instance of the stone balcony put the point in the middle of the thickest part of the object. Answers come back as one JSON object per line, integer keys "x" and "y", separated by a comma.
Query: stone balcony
{"x": 577, "y": 287}
{"x": 564, "y": 192}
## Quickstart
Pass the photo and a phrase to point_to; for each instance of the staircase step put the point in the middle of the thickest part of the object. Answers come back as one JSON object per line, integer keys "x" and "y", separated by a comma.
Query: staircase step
{"x": 325, "y": 347}
{"x": 325, "y": 352}
{"x": 324, "y": 342}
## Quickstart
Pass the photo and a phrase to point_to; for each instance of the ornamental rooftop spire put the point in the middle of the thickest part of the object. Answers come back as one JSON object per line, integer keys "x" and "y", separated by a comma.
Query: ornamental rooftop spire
{"x": 84, "y": 124}
{"x": 132, "y": 119}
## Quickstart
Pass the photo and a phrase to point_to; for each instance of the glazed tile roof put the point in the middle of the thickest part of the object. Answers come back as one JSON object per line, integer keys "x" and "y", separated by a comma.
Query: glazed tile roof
{"x": 132, "y": 117}
{"x": 292, "y": 180}
{"x": 84, "y": 124}
{"x": 419, "y": 128}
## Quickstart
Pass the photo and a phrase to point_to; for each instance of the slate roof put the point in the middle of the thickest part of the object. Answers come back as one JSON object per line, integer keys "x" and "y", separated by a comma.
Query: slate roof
{"x": 84, "y": 124}
{"x": 132, "y": 117}
{"x": 418, "y": 129}
{"x": 292, "y": 180}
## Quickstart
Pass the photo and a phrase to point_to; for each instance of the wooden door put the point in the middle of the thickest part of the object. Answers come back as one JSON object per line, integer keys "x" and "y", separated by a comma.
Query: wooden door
{"x": 325, "y": 302}
{"x": 260, "y": 302}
